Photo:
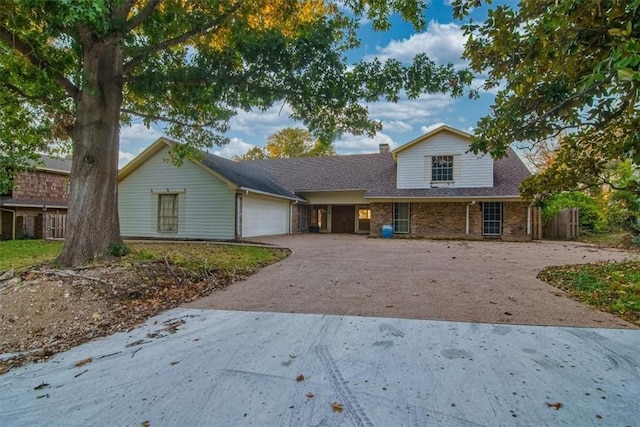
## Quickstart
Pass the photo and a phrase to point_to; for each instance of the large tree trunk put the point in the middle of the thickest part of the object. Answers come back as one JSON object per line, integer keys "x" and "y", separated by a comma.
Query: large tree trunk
{"x": 93, "y": 222}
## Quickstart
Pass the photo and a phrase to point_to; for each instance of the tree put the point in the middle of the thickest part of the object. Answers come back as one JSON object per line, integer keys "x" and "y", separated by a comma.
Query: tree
{"x": 290, "y": 142}
{"x": 192, "y": 65}
{"x": 562, "y": 66}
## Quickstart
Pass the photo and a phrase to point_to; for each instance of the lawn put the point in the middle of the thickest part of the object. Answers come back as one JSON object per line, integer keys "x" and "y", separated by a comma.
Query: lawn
{"x": 19, "y": 254}
{"x": 612, "y": 287}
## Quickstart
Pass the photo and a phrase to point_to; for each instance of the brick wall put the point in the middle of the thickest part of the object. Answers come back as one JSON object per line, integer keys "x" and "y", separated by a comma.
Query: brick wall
{"x": 448, "y": 220}
{"x": 514, "y": 223}
{"x": 41, "y": 185}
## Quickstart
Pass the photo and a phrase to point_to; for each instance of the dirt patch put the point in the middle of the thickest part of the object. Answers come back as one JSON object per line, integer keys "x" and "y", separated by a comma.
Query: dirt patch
{"x": 44, "y": 311}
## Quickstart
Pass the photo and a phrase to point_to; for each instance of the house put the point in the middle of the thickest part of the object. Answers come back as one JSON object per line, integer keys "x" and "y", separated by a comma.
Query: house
{"x": 429, "y": 187}
{"x": 38, "y": 201}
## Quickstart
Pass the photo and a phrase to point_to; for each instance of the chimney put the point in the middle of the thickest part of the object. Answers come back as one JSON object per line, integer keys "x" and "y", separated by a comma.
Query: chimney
{"x": 384, "y": 148}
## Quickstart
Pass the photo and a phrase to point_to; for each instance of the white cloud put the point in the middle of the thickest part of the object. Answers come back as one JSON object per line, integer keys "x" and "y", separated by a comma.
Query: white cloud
{"x": 443, "y": 43}
{"x": 360, "y": 144}
{"x": 262, "y": 123}
{"x": 396, "y": 126}
{"x": 137, "y": 134}
{"x": 235, "y": 147}
{"x": 429, "y": 128}
{"x": 410, "y": 111}
{"x": 124, "y": 158}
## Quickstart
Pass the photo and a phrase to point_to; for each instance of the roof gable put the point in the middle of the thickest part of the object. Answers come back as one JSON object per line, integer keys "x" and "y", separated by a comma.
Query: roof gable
{"x": 236, "y": 175}
{"x": 430, "y": 134}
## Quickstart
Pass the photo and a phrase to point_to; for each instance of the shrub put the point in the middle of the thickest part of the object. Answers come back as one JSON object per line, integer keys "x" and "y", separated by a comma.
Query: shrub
{"x": 592, "y": 216}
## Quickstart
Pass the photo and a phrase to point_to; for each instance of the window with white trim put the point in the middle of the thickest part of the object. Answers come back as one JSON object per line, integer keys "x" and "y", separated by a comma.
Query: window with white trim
{"x": 492, "y": 218}
{"x": 401, "y": 217}
{"x": 167, "y": 213}
{"x": 441, "y": 168}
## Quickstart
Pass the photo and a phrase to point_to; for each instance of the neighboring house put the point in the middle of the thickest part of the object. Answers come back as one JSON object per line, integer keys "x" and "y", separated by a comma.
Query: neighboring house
{"x": 37, "y": 202}
{"x": 429, "y": 187}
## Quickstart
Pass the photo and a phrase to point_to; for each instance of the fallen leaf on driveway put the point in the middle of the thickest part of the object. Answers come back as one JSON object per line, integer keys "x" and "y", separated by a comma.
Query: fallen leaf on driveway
{"x": 508, "y": 313}
{"x": 556, "y": 405}
{"x": 175, "y": 362}
{"x": 83, "y": 362}
{"x": 145, "y": 423}
{"x": 337, "y": 407}
{"x": 300, "y": 378}
{"x": 41, "y": 386}
{"x": 310, "y": 395}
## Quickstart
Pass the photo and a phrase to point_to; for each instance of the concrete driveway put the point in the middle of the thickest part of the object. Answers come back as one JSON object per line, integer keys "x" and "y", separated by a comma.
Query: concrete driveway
{"x": 469, "y": 281}
{"x": 208, "y": 367}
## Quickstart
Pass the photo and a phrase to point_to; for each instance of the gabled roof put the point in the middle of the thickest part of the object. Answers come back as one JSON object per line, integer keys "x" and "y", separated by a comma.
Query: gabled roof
{"x": 508, "y": 173}
{"x": 52, "y": 164}
{"x": 422, "y": 138}
{"x": 236, "y": 175}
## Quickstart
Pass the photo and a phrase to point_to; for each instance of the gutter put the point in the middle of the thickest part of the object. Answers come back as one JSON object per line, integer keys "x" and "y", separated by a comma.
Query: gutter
{"x": 13, "y": 231}
{"x": 264, "y": 193}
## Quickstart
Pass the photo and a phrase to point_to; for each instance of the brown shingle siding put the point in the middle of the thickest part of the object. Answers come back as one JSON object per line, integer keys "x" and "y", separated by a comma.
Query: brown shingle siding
{"x": 41, "y": 185}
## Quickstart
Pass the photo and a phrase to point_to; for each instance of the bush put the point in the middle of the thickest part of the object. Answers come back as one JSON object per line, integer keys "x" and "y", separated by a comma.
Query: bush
{"x": 592, "y": 215}
{"x": 117, "y": 249}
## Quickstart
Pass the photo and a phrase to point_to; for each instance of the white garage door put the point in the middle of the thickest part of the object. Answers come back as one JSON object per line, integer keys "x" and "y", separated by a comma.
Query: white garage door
{"x": 262, "y": 217}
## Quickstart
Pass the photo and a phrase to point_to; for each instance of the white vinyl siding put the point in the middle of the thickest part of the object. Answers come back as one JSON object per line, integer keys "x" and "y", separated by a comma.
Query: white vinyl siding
{"x": 206, "y": 205}
{"x": 264, "y": 217}
{"x": 469, "y": 170}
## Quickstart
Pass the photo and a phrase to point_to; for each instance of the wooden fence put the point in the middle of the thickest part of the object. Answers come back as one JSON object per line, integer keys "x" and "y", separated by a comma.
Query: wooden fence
{"x": 55, "y": 225}
{"x": 536, "y": 223}
{"x": 565, "y": 225}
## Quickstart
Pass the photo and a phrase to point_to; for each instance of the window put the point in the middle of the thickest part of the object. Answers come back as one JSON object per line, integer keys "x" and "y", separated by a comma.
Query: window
{"x": 364, "y": 218}
{"x": 492, "y": 218}
{"x": 442, "y": 168}
{"x": 168, "y": 213}
{"x": 401, "y": 217}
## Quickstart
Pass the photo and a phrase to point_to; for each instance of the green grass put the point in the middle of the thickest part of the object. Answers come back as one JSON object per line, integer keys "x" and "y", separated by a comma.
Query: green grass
{"x": 612, "y": 287}
{"x": 620, "y": 239}
{"x": 19, "y": 254}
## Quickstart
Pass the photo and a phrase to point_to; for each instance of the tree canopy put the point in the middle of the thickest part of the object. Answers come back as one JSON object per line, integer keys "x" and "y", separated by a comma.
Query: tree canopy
{"x": 290, "y": 142}
{"x": 91, "y": 65}
{"x": 560, "y": 66}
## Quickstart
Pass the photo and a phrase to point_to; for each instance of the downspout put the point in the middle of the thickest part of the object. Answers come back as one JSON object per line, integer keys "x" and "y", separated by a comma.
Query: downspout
{"x": 529, "y": 218}
{"x": 13, "y": 213}
{"x": 473, "y": 202}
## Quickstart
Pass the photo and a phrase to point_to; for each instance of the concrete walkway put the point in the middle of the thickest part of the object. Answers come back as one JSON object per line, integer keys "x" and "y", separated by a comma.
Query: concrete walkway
{"x": 223, "y": 368}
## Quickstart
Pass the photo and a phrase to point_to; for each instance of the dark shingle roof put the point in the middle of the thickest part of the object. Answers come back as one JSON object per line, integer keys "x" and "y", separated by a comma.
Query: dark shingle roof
{"x": 376, "y": 174}
{"x": 353, "y": 172}
{"x": 53, "y": 163}
{"x": 245, "y": 175}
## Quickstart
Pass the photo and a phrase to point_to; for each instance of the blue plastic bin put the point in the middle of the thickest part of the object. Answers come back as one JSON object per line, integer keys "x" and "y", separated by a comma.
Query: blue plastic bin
{"x": 387, "y": 232}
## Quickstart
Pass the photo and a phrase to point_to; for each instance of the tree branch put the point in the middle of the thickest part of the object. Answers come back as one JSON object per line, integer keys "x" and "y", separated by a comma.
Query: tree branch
{"x": 154, "y": 117}
{"x": 22, "y": 94}
{"x": 29, "y": 52}
{"x": 141, "y": 16}
{"x": 203, "y": 29}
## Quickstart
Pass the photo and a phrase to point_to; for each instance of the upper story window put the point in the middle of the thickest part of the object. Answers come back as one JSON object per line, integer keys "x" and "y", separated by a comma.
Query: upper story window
{"x": 442, "y": 168}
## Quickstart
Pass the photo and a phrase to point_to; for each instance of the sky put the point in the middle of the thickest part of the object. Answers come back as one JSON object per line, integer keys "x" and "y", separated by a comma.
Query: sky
{"x": 442, "y": 40}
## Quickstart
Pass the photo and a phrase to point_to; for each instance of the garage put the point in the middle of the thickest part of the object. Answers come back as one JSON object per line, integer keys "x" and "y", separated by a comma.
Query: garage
{"x": 264, "y": 216}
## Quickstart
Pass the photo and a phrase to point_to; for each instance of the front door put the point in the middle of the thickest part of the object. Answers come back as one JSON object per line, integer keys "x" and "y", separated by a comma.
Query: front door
{"x": 343, "y": 219}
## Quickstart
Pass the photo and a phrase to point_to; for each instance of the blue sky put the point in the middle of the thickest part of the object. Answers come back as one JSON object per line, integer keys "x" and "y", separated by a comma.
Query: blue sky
{"x": 442, "y": 40}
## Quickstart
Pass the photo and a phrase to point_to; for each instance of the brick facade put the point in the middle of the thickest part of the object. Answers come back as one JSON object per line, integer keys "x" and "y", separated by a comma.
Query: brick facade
{"x": 448, "y": 220}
